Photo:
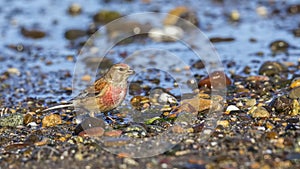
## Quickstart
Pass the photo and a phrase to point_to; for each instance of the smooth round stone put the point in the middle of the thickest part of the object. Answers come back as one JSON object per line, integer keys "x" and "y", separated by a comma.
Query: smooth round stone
{"x": 279, "y": 46}
{"x": 73, "y": 34}
{"x": 295, "y": 82}
{"x": 295, "y": 93}
{"x": 259, "y": 112}
{"x": 282, "y": 104}
{"x": 89, "y": 122}
{"x": 92, "y": 132}
{"x": 217, "y": 79}
{"x": 272, "y": 68}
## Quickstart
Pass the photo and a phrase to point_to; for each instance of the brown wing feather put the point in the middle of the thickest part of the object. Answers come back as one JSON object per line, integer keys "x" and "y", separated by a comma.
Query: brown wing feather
{"x": 97, "y": 89}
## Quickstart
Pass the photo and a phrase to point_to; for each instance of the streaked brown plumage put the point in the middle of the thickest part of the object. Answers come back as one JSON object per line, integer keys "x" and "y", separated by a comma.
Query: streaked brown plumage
{"x": 105, "y": 94}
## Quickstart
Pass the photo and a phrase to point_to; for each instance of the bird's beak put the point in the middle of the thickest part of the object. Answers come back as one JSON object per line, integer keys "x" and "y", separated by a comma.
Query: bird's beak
{"x": 130, "y": 71}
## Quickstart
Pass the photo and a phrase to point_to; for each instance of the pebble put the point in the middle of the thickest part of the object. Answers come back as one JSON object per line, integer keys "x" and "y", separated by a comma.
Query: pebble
{"x": 14, "y": 71}
{"x": 231, "y": 108}
{"x": 250, "y": 102}
{"x": 28, "y": 118}
{"x": 86, "y": 78}
{"x": 74, "y": 34}
{"x": 74, "y": 9}
{"x": 296, "y": 32}
{"x": 105, "y": 16}
{"x": 235, "y": 15}
{"x": 181, "y": 12}
{"x": 33, "y": 33}
{"x": 224, "y": 123}
{"x": 282, "y": 104}
{"x": 294, "y": 9}
{"x": 270, "y": 68}
{"x": 258, "y": 78}
{"x": 113, "y": 133}
{"x": 13, "y": 120}
{"x": 259, "y": 112}
{"x": 295, "y": 82}
{"x": 294, "y": 93}
{"x": 219, "y": 80}
{"x": 198, "y": 64}
{"x": 51, "y": 120}
{"x": 279, "y": 46}
{"x": 92, "y": 132}
{"x": 87, "y": 123}
{"x": 262, "y": 11}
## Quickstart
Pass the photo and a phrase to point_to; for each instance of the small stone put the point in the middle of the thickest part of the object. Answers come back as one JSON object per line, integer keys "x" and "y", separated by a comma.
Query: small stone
{"x": 74, "y": 34}
{"x": 104, "y": 17}
{"x": 34, "y": 33}
{"x": 51, "y": 120}
{"x": 295, "y": 93}
{"x": 250, "y": 102}
{"x": 294, "y": 9}
{"x": 258, "y": 78}
{"x": 272, "y": 68}
{"x": 198, "y": 64}
{"x": 262, "y": 11}
{"x": 296, "y": 32}
{"x": 259, "y": 112}
{"x": 295, "y": 82}
{"x": 87, "y": 123}
{"x": 235, "y": 15}
{"x": 74, "y": 9}
{"x": 86, "y": 78}
{"x": 13, "y": 71}
{"x": 12, "y": 120}
{"x": 279, "y": 46}
{"x": 282, "y": 104}
{"x": 231, "y": 108}
{"x": 224, "y": 123}
{"x": 181, "y": 12}
{"x": 92, "y": 132}
{"x": 28, "y": 118}
{"x": 113, "y": 133}
{"x": 217, "y": 79}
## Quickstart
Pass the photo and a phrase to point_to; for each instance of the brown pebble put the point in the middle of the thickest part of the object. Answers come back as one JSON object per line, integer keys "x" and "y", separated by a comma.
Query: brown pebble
{"x": 34, "y": 34}
{"x": 258, "y": 78}
{"x": 92, "y": 132}
{"x": 86, "y": 78}
{"x": 28, "y": 118}
{"x": 216, "y": 79}
{"x": 113, "y": 133}
{"x": 51, "y": 120}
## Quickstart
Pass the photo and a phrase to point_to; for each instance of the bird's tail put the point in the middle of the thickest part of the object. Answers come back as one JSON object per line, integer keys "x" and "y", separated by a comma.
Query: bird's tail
{"x": 58, "y": 107}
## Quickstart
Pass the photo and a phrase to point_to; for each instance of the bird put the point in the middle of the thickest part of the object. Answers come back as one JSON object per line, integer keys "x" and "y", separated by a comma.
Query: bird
{"x": 105, "y": 94}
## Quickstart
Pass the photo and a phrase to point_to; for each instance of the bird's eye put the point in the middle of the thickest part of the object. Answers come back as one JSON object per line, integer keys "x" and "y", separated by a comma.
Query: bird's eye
{"x": 121, "y": 69}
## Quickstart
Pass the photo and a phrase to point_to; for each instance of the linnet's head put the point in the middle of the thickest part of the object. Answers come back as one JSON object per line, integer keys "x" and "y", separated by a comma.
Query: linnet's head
{"x": 119, "y": 72}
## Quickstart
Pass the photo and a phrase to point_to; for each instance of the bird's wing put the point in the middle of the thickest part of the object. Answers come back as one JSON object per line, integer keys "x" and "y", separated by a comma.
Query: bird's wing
{"x": 97, "y": 89}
